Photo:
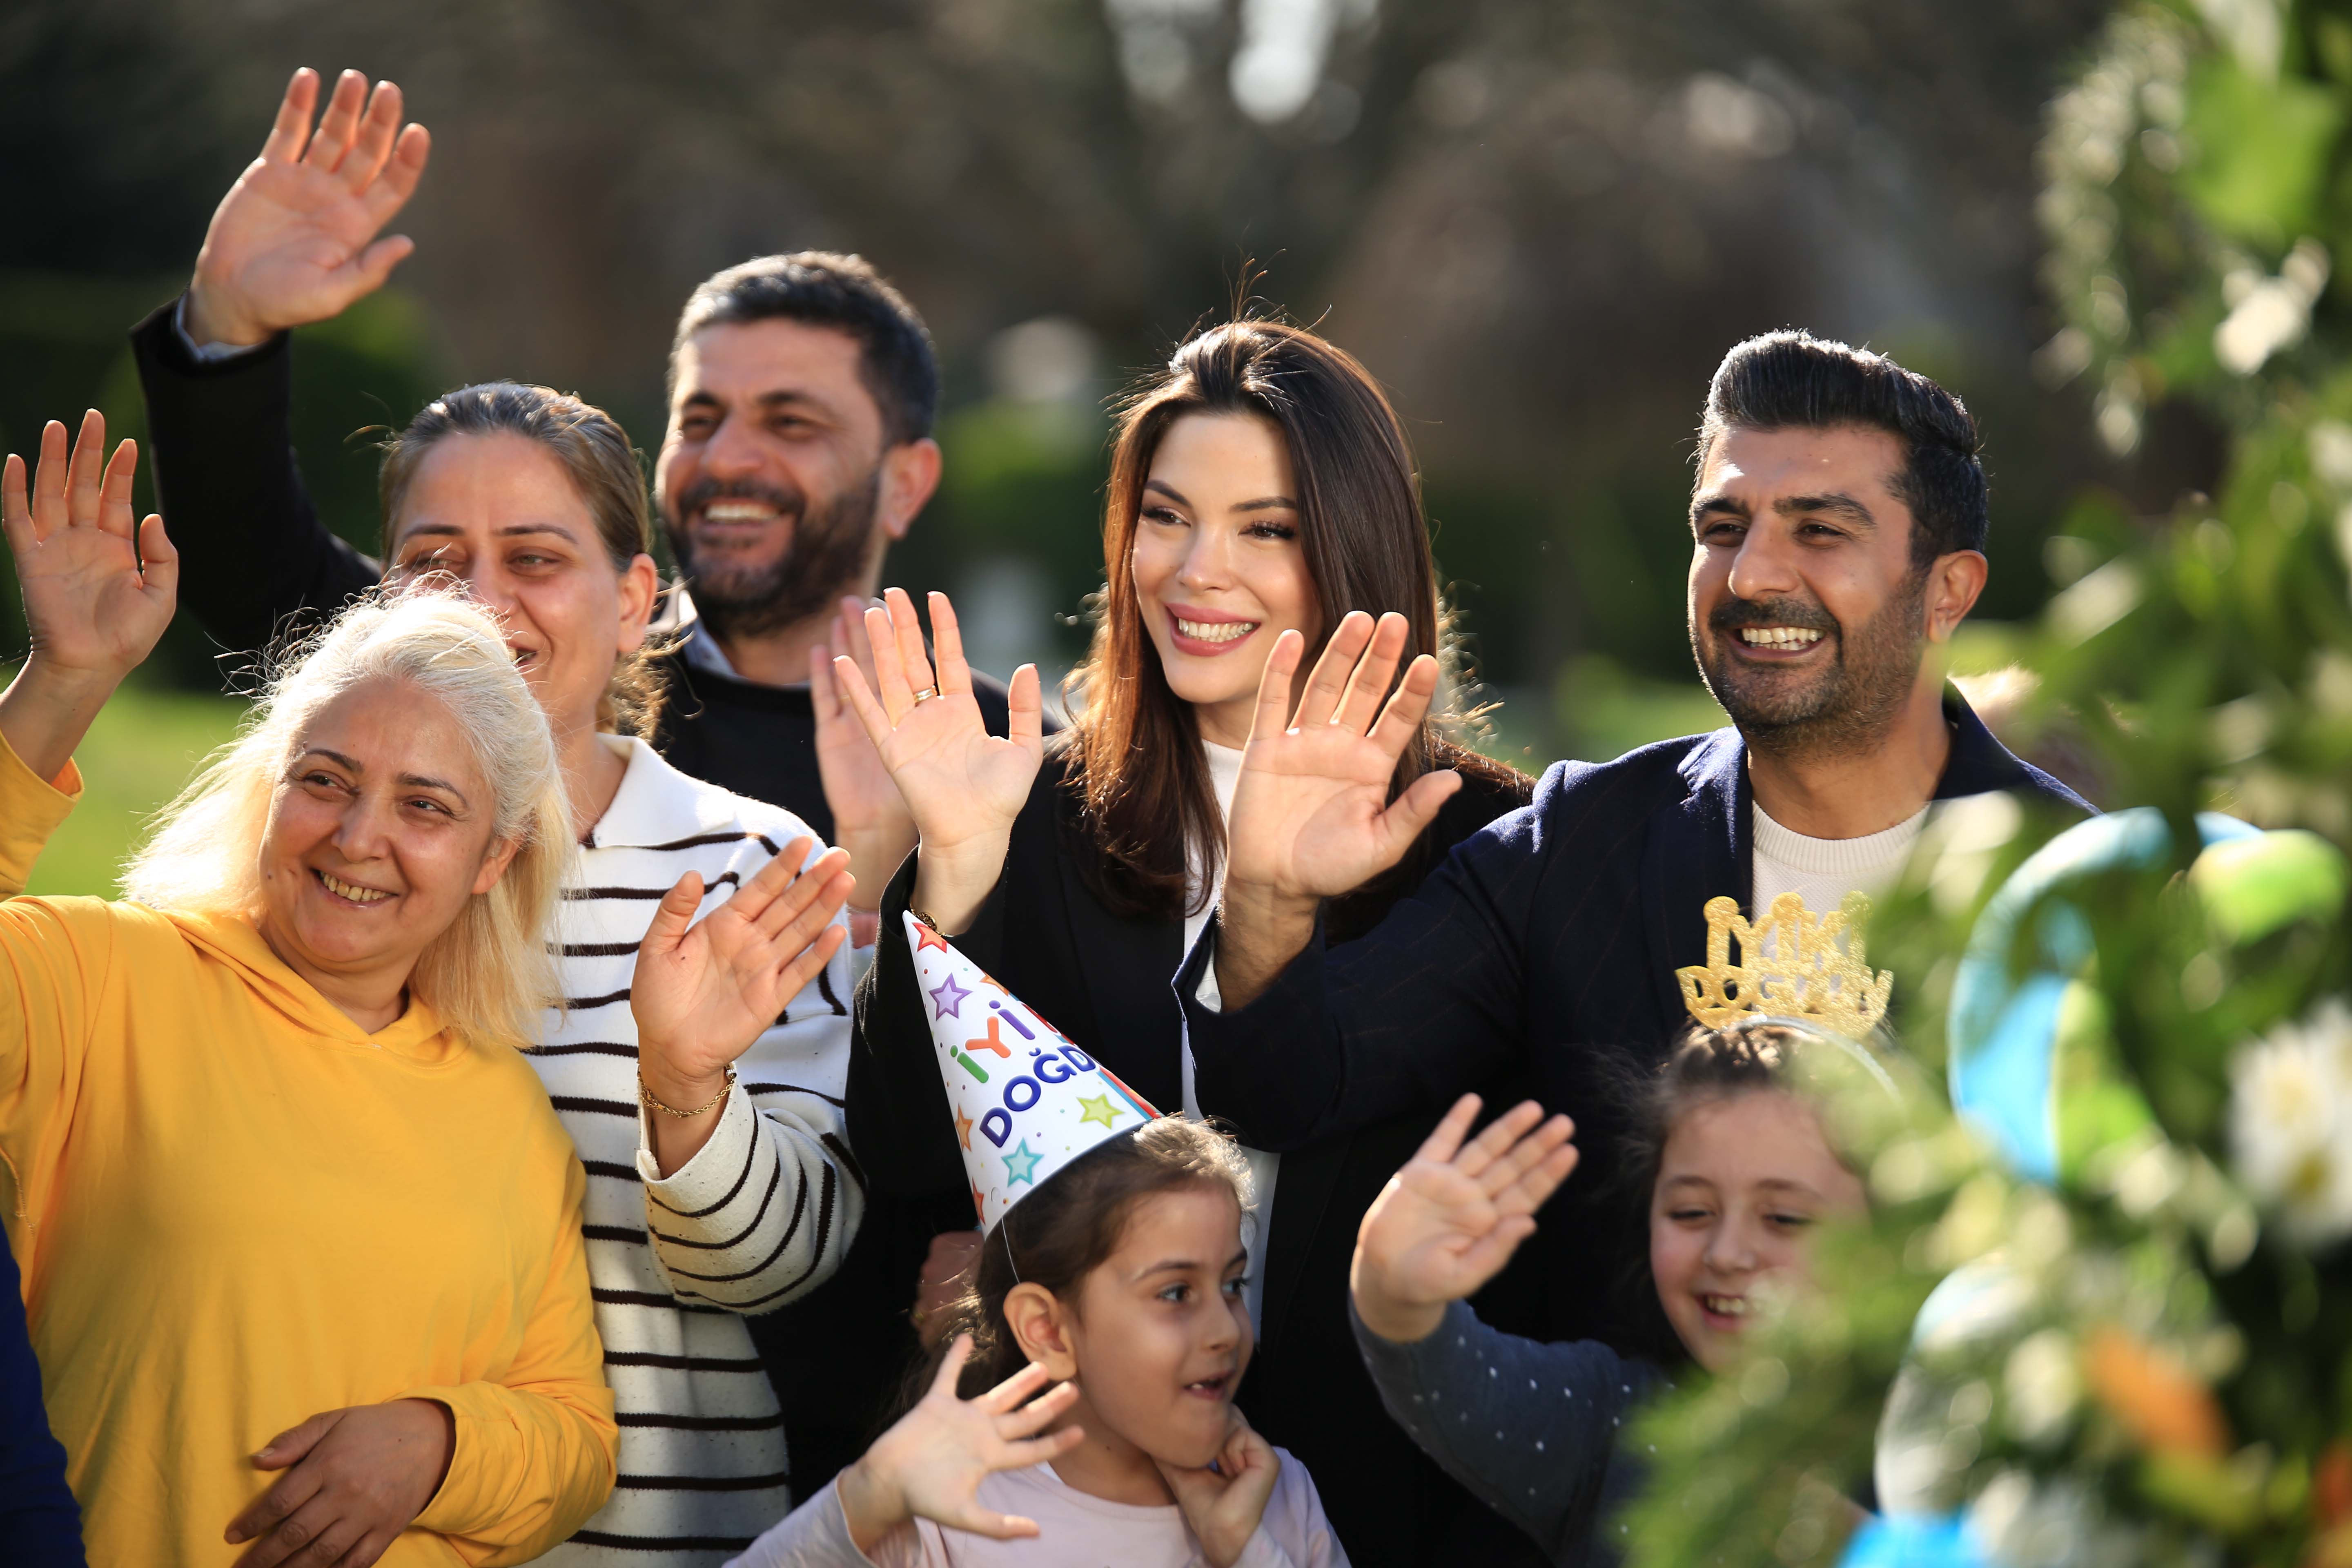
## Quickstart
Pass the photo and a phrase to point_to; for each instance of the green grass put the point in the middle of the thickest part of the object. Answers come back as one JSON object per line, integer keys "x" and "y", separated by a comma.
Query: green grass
{"x": 141, "y": 750}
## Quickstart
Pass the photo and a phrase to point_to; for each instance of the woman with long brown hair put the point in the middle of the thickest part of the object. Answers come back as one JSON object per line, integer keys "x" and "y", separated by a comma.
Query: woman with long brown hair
{"x": 1260, "y": 483}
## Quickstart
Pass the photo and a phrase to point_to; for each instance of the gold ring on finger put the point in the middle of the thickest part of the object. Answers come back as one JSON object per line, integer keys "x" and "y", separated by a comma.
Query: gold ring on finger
{"x": 927, "y": 693}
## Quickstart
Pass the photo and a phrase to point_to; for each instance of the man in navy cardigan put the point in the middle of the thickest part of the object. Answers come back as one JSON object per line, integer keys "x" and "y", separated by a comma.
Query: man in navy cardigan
{"x": 1838, "y": 526}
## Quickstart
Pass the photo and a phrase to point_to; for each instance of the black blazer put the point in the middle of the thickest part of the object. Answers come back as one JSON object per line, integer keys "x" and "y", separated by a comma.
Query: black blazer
{"x": 1546, "y": 944}
{"x": 1102, "y": 980}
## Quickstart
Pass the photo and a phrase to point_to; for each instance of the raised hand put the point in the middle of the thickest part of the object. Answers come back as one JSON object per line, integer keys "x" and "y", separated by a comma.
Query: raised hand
{"x": 1224, "y": 1506}
{"x": 1311, "y": 815}
{"x": 295, "y": 241}
{"x": 705, "y": 990}
{"x": 98, "y": 591}
{"x": 1451, "y": 1218}
{"x": 870, "y": 818}
{"x": 354, "y": 1480}
{"x": 963, "y": 785}
{"x": 930, "y": 1465}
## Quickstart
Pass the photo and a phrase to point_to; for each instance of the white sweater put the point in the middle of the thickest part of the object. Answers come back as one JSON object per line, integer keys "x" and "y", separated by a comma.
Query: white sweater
{"x": 1073, "y": 1531}
{"x": 762, "y": 1214}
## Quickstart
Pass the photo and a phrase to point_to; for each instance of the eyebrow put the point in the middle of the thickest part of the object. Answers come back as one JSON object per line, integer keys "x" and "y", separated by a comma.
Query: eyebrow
{"x": 407, "y": 781}
{"x": 1262, "y": 503}
{"x": 1782, "y": 1184}
{"x": 511, "y": 530}
{"x": 781, "y": 397}
{"x": 1187, "y": 1266}
{"x": 1835, "y": 503}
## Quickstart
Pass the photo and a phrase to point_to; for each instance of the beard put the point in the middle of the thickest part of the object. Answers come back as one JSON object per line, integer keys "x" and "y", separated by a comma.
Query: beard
{"x": 826, "y": 558}
{"x": 1841, "y": 710}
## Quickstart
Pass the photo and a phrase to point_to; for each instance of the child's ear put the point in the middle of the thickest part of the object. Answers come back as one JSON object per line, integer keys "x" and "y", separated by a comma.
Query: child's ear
{"x": 1041, "y": 1326}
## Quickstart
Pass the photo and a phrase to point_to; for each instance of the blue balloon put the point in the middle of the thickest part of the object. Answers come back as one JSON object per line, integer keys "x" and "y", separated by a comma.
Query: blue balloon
{"x": 1914, "y": 1541}
{"x": 2003, "y": 1027}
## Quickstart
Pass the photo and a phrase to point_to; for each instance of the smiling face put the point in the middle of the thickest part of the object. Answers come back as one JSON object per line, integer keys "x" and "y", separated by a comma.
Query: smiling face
{"x": 1218, "y": 568}
{"x": 777, "y": 479}
{"x": 380, "y": 830}
{"x": 501, "y": 514}
{"x": 1158, "y": 1337}
{"x": 1742, "y": 1179}
{"x": 1807, "y": 616}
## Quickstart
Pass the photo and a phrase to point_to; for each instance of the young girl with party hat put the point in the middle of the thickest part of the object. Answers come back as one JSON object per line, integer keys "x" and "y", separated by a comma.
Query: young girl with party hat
{"x": 1729, "y": 1154}
{"x": 1112, "y": 1273}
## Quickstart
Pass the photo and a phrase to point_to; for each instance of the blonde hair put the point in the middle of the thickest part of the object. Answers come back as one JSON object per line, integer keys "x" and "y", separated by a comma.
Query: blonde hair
{"x": 491, "y": 972}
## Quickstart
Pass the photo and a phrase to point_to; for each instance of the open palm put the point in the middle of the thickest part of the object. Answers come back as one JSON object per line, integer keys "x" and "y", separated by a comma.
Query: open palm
{"x": 930, "y": 1465}
{"x": 705, "y": 990}
{"x": 963, "y": 785}
{"x": 93, "y": 609}
{"x": 1451, "y": 1218}
{"x": 295, "y": 241}
{"x": 1311, "y": 815}
{"x": 870, "y": 818}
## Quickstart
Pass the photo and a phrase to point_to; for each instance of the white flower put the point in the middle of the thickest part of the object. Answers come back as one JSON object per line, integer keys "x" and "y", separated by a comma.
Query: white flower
{"x": 2291, "y": 1123}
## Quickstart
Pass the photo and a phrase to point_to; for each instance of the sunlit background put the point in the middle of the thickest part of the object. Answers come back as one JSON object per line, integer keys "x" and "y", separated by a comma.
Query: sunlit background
{"x": 1539, "y": 221}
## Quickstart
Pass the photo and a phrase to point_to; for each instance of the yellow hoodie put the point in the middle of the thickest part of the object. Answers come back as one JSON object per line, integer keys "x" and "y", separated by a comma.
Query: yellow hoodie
{"x": 235, "y": 1208}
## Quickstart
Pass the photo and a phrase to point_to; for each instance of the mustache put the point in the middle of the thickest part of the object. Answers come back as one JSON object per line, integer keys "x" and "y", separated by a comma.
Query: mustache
{"x": 789, "y": 501}
{"x": 1733, "y": 615}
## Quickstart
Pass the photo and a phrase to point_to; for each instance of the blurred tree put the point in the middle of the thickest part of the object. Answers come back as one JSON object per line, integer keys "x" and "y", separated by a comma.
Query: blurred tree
{"x": 1541, "y": 222}
{"x": 2150, "y": 1359}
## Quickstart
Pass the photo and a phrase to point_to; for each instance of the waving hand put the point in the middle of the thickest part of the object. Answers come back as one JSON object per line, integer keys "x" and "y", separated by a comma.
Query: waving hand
{"x": 98, "y": 592}
{"x": 705, "y": 990}
{"x": 963, "y": 785}
{"x": 1312, "y": 817}
{"x": 295, "y": 241}
{"x": 1451, "y": 1218}
{"x": 930, "y": 1465}
{"x": 869, "y": 818}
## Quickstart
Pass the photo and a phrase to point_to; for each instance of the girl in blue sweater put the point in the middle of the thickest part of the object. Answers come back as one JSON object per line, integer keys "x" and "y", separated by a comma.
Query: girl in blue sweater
{"x": 1737, "y": 1170}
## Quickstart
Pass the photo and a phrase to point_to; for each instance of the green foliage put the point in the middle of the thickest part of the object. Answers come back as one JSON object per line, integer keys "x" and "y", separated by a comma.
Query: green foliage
{"x": 64, "y": 339}
{"x": 2151, "y": 1360}
{"x": 145, "y": 746}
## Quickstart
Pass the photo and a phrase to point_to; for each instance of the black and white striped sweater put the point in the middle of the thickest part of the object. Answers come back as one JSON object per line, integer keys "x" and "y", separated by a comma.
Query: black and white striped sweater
{"x": 760, "y": 1215}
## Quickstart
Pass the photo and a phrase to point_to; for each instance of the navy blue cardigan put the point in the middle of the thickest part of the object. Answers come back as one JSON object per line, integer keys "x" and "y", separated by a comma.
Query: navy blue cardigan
{"x": 40, "y": 1527}
{"x": 1546, "y": 945}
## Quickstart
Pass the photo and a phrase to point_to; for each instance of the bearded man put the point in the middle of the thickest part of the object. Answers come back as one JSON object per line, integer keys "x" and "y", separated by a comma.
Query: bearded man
{"x": 1838, "y": 529}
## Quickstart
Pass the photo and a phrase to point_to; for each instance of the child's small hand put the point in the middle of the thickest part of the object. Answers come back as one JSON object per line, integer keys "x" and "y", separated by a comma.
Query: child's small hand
{"x": 929, "y": 1466}
{"x": 1448, "y": 1222}
{"x": 1224, "y": 1506}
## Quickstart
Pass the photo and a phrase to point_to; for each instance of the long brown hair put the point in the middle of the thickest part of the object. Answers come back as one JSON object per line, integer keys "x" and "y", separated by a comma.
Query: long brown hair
{"x": 602, "y": 467}
{"x": 1135, "y": 744}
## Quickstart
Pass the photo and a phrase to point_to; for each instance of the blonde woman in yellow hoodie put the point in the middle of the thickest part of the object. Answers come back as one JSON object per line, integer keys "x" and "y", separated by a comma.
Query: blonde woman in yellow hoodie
{"x": 300, "y": 1231}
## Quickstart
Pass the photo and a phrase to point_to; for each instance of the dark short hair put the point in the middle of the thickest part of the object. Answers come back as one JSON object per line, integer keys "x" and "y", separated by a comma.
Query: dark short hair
{"x": 1788, "y": 379}
{"x": 826, "y": 289}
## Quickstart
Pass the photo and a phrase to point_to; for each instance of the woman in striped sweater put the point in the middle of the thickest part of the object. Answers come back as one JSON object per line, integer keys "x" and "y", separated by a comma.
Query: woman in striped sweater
{"x": 535, "y": 501}
{"x": 715, "y": 1189}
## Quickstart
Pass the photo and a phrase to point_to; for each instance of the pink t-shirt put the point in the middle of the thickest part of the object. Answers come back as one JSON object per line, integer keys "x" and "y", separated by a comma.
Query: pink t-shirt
{"x": 1073, "y": 1531}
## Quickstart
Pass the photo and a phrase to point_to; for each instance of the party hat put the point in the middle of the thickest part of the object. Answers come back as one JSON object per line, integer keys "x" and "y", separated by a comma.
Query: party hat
{"x": 1026, "y": 1099}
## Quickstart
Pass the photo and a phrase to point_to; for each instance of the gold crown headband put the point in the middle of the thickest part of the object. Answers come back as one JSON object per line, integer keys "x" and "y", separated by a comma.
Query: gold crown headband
{"x": 1810, "y": 977}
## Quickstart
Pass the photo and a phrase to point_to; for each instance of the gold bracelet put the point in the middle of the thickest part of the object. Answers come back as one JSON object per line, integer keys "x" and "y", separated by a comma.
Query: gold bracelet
{"x": 645, "y": 1096}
